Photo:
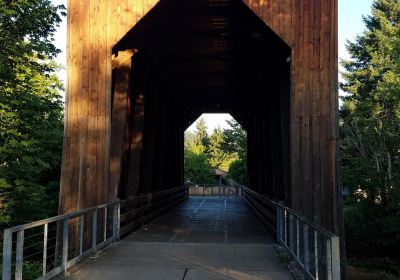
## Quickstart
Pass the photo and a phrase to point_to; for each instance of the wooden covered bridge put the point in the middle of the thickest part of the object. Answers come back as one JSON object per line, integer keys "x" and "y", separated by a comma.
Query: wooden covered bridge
{"x": 139, "y": 73}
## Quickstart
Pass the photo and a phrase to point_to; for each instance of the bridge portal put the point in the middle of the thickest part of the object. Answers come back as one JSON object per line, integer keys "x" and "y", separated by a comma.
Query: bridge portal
{"x": 141, "y": 71}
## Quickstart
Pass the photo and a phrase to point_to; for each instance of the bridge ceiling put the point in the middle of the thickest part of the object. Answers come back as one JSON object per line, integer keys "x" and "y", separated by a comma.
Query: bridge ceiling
{"x": 211, "y": 52}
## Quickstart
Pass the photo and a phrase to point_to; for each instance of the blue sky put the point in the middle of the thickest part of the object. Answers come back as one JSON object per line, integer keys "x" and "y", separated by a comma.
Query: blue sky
{"x": 350, "y": 21}
{"x": 350, "y": 25}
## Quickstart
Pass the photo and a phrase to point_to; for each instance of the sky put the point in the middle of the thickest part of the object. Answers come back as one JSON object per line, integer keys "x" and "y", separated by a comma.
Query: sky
{"x": 350, "y": 25}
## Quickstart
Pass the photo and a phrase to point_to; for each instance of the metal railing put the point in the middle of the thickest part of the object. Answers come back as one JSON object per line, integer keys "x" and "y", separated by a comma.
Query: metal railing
{"x": 315, "y": 250}
{"x": 53, "y": 245}
{"x": 70, "y": 242}
{"x": 137, "y": 211}
{"x": 214, "y": 190}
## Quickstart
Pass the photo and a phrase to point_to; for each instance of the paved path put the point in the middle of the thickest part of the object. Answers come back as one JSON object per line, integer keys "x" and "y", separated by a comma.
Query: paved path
{"x": 203, "y": 238}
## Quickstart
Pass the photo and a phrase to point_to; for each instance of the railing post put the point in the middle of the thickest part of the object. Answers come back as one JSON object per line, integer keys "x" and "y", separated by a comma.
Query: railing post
{"x": 19, "y": 259}
{"x": 65, "y": 245}
{"x": 278, "y": 224}
{"x": 306, "y": 248}
{"x": 7, "y": 254}
{"x": 81, "y": 227}
{"x": 116, "y": 220}
{"x": 291, "y": 233}
{"x": 316, "y": 255}
{"x": 279, "y": 221}
{"x": 94, "y": 230}
{"x": 328, "y": 259}
{"x": 335, "y": 257}
{"x": 297, "y": 238}
{"x": 285, "y": 224}
{"x": 45, "y": 231}
{"x": 105, "y": 224}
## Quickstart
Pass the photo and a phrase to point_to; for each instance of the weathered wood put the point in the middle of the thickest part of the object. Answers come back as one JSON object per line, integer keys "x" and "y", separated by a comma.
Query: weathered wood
{"x": 308, "y": 27}
{"x": 313, "y": 38}
{"x": 122, "y": 72}
{"x": 93, "y": 28}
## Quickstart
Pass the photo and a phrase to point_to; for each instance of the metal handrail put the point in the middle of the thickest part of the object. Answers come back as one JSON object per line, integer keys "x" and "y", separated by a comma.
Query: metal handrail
{"x": 62, "y": 237}
{"x": 65, "y": 221}
{"x": 227, "y": 190}
{"x": 315, "y": 249}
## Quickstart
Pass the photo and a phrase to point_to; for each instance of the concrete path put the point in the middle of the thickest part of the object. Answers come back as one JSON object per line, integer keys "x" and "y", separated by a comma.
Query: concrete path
{"x": 200, "y": 239}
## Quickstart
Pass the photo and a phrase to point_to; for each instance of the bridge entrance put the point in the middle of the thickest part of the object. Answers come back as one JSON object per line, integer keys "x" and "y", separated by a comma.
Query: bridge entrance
{"x": 125, "y": 120}
{"x": 189, "y": 57}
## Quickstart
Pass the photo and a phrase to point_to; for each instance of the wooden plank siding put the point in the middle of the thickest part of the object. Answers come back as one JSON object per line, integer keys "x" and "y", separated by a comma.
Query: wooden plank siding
{"x": 94, "y": 27}
{"x": 308, "y": 27}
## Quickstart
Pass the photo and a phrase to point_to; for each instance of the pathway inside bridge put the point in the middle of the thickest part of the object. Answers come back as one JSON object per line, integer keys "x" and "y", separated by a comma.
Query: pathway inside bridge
{"x": 203, "y": 238}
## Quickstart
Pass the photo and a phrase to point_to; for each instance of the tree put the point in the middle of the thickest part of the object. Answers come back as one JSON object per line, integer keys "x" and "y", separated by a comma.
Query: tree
{"x": 235, "y": 142}
{"x": 370, "y": 116}
{"x": 223, "y": 149}
{"x": 370, "y": 133}
{"x": 189, "y": 141}
{"x": 201, "y": 140}
{"x": 238, "y": 171}
{"x": 197, "y": 169}
{"x": 217, "y": 156}
{"x": 31, "y": 111}
{"x": 235, "y": 139}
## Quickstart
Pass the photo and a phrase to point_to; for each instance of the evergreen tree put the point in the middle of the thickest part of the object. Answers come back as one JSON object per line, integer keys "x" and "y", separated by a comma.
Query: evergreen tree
{"x": 370, "y": 134}
{"x": 370, "y": 116}
{"x": 217, "y": 156}
{"x": 201, "y": 140}
{"x": 189, "y": 141}
{"x": 197, "y": 168}
{"x": 235, "y": 142}
{"x": 31, "y": 109}
{"x": 235, "y": 139}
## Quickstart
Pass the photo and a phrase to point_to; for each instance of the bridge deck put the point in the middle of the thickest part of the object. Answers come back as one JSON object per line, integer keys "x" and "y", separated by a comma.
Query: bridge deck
{"x": 203, "y": 238}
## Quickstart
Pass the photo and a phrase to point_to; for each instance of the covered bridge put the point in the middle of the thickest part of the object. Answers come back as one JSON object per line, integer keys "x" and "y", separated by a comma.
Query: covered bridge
{"x": 141, "y": 71}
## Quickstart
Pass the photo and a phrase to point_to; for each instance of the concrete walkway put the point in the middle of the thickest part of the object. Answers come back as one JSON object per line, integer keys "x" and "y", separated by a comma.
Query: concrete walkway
{"x": 203, "y": 238}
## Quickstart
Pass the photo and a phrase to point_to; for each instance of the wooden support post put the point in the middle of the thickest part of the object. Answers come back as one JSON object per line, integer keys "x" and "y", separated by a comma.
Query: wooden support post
{"x": 119, "y": 117}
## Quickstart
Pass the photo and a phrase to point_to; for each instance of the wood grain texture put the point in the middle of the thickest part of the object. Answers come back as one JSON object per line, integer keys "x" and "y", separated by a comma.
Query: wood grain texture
{"x": 94, "y": 27}
{"x": 309, "y": 27}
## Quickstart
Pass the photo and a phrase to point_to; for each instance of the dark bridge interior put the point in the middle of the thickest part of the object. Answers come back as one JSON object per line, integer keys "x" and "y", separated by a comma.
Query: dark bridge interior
{"x": 204, "y": 56}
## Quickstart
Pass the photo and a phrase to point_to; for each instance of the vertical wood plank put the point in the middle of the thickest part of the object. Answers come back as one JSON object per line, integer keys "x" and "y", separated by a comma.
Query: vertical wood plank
{"x": 309, "y": 27}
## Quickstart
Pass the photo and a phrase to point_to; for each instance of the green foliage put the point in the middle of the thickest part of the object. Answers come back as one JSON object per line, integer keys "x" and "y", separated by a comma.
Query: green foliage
{"x": 197, "y": 169}
{"x": 235, "y": 140}
{"x": 372, "y": 237}
{"x": 31, "y": 270}
{"x": 223, "y": 149}
{"x": 370, "y": 134}
{"x": 26, "y": 31}
{"x": 219, "y": 158}
{"x": 201, "y": 140}
{"x": 238, "y": 171}
{"x": 31, "y": 111}
{"x": 283, "y": 256}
